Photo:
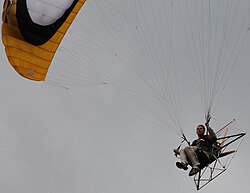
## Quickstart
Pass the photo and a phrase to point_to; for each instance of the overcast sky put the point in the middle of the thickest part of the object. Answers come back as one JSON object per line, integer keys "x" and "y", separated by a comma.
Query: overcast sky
{"x": 116, "y": 137}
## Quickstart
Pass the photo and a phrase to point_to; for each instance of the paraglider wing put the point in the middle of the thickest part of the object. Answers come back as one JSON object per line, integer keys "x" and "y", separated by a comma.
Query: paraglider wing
{"x": 30, "y": 45}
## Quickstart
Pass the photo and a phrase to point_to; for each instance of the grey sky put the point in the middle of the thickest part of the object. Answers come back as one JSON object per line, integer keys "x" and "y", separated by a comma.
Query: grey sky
{"x": 98, "y": 138}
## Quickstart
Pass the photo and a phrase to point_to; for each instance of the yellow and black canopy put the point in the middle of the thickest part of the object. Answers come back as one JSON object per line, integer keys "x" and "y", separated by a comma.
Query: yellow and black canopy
{"x": 29, "y": 45}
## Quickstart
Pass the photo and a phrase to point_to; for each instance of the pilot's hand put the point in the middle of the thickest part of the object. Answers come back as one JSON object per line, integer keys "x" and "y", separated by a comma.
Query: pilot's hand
{"x": 207, "y": 123}
{"x": 176, "y": 151}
